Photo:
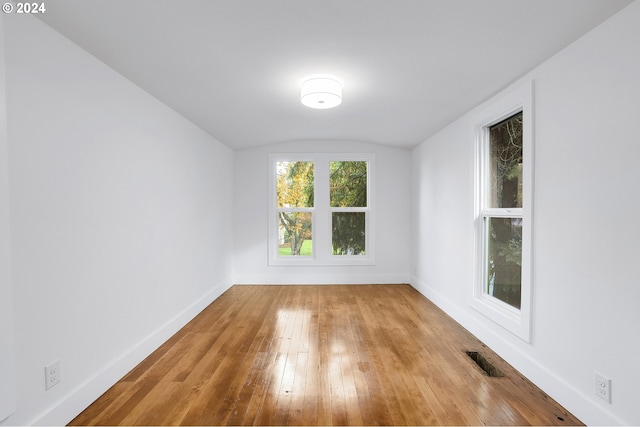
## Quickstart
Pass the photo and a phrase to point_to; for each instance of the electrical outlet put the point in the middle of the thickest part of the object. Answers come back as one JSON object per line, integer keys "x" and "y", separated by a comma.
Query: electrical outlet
{"x": 52, "y": 374}
{"x": 603, "y": 387}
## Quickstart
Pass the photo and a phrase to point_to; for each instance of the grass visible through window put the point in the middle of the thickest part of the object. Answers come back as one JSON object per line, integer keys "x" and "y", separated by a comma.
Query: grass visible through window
{"x": 305, "y": 250}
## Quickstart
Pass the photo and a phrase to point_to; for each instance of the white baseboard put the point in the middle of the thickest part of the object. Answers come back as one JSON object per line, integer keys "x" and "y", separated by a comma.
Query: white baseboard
{"x": 321, "y": 279}
{"x": 74, "y": 402}
{"x": 574, "y": 400}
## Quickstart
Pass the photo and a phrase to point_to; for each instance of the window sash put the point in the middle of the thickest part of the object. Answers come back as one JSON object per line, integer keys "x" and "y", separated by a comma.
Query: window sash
{"x": 503, "y": 213}
{"x": 313, "y": 246}
{"x": 295, "y": 209}
{"x": 366, "y": 233}
{"x": 486, "y": 285}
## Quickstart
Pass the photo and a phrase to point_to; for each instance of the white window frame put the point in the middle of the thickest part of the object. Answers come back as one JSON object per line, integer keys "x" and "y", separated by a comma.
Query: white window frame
{"x": 322, "y": 211}
{"x": 517, "y": 321}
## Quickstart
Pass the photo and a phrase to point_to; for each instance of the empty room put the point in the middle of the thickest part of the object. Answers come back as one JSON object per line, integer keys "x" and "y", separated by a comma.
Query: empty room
{"x": 319, "y": 212}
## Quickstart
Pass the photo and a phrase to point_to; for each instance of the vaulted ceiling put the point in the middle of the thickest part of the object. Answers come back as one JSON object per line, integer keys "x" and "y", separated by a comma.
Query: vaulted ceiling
{"x": 410, "y": 67}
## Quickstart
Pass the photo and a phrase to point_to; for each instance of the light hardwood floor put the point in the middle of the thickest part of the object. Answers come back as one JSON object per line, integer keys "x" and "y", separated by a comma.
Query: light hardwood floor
{"x": 322, "y": 355}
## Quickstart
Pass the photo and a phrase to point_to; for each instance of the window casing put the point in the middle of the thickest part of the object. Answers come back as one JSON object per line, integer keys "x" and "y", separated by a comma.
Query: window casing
{"x": 336, "y": 210}
{"x": 503, "y": 211}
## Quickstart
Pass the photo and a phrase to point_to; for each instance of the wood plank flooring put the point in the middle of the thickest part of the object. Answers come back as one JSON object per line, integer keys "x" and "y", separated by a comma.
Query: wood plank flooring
{"x": 322, "y": 355}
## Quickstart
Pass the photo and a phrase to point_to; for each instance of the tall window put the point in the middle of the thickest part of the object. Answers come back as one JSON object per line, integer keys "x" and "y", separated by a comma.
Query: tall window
{"x": 502, "y": 213}
{"x": 504, "y": 168}
{"x": 321, "y": 209}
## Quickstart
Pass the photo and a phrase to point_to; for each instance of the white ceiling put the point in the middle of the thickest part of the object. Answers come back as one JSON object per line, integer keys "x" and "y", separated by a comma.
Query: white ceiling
{"x": 410, "y": 67}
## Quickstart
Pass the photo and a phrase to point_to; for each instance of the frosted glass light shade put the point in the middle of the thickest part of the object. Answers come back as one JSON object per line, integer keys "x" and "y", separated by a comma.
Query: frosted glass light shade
{"x": 321, "y": 92}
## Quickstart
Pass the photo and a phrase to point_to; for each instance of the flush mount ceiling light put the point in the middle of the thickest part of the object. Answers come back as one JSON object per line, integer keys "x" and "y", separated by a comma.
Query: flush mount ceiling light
{"x": 321, "y": 91}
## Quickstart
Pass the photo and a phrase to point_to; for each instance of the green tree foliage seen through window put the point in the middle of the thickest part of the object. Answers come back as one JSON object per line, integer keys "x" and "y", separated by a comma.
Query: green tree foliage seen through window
{"x": 348, "y": 189}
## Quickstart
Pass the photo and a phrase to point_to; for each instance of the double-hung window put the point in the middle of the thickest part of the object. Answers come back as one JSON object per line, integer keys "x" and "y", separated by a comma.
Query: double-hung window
{"x": 503, "y": 220}
{"x": 321, "y": 209}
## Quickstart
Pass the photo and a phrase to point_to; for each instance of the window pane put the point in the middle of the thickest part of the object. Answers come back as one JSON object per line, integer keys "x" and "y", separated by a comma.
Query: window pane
{"x": 295, "y": 184}
{"x": 503, "y": 259}
{"x": 505, "y": 163}
{"x": 294, "y": 233}
{"x": 348, "y": 184}
{"x": 348, "y": 233}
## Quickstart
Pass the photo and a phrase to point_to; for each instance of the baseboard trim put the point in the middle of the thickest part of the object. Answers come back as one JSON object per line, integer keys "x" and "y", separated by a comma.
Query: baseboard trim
{"x": 323, "y": 279}
{"x": 574, "y": 400}
{"x": 74, "y": 402}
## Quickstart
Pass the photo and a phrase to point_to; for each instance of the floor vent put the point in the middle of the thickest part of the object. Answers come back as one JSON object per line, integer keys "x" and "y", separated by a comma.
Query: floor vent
{"x": 486, "y": 366}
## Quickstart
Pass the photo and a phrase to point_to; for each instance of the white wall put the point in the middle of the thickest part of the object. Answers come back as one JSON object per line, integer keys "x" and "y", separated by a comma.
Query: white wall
{"x": 7, "y": 363}
{"x": 586, "y": 299}
{"x": 120, "y": 213}
{"x": 251, "y": 170}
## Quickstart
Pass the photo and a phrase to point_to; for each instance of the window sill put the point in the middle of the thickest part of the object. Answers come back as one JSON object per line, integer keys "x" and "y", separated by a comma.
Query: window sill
{"x": 510, "y": 318}
{"x": 333, "y": 261}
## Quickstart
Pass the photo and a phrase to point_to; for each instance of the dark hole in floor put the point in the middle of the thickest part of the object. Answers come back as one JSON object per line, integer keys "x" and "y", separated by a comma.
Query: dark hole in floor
{"x": 486, "y": 366}
{"x": 560, "y": 418}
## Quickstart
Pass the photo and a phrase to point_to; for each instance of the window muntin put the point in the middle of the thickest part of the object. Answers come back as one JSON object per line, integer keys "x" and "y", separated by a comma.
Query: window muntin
{"x": 321, "y": 209}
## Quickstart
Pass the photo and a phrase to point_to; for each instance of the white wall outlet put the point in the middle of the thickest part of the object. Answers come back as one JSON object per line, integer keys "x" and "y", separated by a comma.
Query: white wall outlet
{"x": 52, "y": 374}
{"x": 603, "y": 387}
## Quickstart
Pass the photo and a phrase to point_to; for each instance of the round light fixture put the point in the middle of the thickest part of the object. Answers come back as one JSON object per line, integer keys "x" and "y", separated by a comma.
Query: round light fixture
{"x": 321, "y": 91}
